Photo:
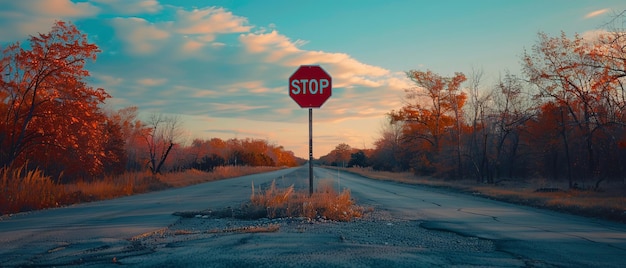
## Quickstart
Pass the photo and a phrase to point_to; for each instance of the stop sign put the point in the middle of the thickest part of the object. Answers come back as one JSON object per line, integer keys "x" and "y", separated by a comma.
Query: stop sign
{"x": 310, "y": 86}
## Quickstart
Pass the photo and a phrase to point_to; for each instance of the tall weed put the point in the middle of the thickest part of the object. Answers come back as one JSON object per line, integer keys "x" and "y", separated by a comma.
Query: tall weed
{"x": 194, "y": 176}
{"x": 22, "y": 189}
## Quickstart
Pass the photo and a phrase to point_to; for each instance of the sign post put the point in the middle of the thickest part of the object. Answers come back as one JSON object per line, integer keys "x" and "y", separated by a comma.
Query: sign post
{"x": 310, "y": 86}
{"x": 310, "y": 151}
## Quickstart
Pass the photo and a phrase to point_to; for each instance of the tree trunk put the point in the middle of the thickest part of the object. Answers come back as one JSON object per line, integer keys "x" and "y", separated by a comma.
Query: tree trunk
{"x": 163, "y": 157}
{"x": 566, "y": 146}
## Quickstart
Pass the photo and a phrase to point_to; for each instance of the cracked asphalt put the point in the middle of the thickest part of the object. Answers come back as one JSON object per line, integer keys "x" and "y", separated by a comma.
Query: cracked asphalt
{"x": 410, "y": 226}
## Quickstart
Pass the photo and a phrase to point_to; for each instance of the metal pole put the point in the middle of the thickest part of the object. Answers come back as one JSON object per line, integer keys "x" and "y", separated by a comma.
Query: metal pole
{"x": 310, "y": 151}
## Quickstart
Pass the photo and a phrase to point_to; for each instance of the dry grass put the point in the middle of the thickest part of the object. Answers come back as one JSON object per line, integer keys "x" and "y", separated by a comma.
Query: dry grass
{"x": 194, "y": 176}
{"x": 324, "y": 203}
{"x": 109, "y": 187}
{"x": 608, "y": 204}
{"x": 23, "y": 190}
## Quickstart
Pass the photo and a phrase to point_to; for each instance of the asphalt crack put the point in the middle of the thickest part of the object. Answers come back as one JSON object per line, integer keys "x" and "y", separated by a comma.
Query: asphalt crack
{"x": 495, "y": 218}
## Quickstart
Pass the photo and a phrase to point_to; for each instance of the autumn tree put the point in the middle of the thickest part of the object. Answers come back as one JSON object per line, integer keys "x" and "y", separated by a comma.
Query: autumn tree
{"x": 282, "y": 157}
{"x": 340, "y": 156}
{"x": 608, "y": 52}
{"x": 432, "y": 113}
{"x": 569, "y": 73}
{"x": 547, "y": 135}
{"x": 114, "y": 157}
{"x": 215, "y": 146}
{"x": 48, "y": 114}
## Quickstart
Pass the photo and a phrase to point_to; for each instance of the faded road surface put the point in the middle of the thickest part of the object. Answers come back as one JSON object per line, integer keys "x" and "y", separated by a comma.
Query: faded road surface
{"x": 537, "y": 237}
{"x": 522, "y": 236}
{"x": 24, "y": 236}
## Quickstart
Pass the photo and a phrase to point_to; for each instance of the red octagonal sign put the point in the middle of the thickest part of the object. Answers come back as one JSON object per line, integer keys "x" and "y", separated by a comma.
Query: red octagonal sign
{"x": 310, "y": 86}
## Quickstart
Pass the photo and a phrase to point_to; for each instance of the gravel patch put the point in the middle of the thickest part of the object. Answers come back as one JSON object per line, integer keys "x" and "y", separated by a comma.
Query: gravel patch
{"x": 377, "y": 239}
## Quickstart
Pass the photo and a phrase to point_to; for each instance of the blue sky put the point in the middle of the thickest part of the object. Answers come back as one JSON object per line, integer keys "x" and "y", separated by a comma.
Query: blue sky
{"x": 223, "y": 66}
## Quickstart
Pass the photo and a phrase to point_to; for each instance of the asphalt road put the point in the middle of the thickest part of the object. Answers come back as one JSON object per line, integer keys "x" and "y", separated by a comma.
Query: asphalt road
{"x": 537, "y": 237}
{"x": 532, "y": 237}
{"x": 26, "y": 236}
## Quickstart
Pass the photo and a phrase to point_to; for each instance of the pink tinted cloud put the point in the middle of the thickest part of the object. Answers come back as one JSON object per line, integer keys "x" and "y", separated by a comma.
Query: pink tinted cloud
{"x": 209, "y": 21}
{"x": 19, "y": 19}
{"x": 596, "y": 13}
{"x": 140, "y": 36}
{"x": 189, "y": 32}
{"x": 281, "y": 50}
{"x": 130, "y": 7}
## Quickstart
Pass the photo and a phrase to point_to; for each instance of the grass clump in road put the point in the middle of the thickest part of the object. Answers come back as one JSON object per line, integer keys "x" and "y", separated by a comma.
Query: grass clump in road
{"x": 324, "y": 203}
{"x": 274, "y": 202}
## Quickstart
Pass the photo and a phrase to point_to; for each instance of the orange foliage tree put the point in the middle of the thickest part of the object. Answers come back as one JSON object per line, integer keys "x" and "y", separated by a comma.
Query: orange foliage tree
{"x": 549, "y": 135}
{"x": 49, "y": 115}
{"x": 340, "y": 156}
{"x": 433, "y": 116}
{"x": 570, "y": 73}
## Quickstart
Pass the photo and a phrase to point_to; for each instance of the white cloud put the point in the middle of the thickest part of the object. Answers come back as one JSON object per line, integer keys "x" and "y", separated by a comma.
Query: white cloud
{"x": 204, "y": 93}
{"x": 192, "y": 46}
{"x": 130, "y": 7}
{"x": 268, "y": 42}
{"x": 108, "y": 80}
{"x": 399, "y": 81}
{"x": 208, "y": 22}
{"x": 141, "y": 36}
{"x": 234, "y": 107}
{"x": 345, "y": 70}
{"x": 596, "y": 13}
{"x": 19, "y": 19}
{"x": 58, "y": 8}
{"x": 186, "y": 33}
{"x": 150, "y": 82}
{"x": 593, "y": 35}
{"x": 249, "y": 86}
{"x": 244, "y": 79}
